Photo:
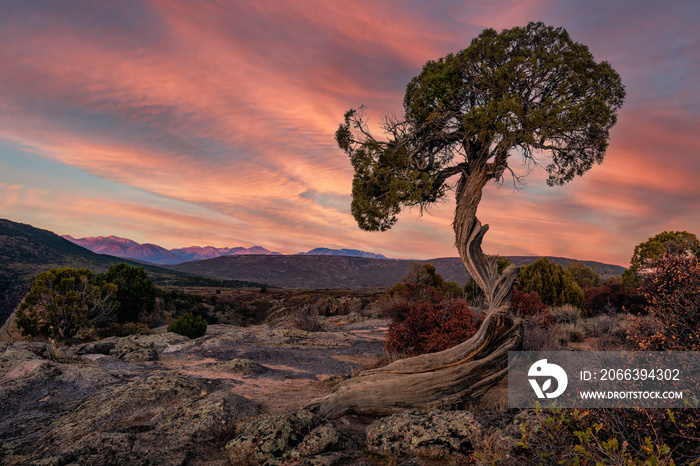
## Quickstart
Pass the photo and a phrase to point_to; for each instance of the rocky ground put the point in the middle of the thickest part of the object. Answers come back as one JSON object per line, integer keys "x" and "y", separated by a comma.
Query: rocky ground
{"x": 233, "y": 396}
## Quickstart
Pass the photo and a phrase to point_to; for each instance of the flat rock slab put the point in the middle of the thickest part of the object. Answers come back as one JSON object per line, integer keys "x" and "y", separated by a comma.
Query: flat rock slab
{"x": 163, "y": 398}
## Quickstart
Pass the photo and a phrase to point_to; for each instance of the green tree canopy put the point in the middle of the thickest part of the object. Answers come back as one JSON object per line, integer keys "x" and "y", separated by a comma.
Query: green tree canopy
{"x": 645, "y": 253}
{"x": 135, "y": 292}
{"x": 554, "y": 285}
{"x": 582, "y": 274}
{"x": 527, "y": 90}
{"x": 63, "y": 301}
{"x": 425, "y": 274}
{"x": 678, "y": 242}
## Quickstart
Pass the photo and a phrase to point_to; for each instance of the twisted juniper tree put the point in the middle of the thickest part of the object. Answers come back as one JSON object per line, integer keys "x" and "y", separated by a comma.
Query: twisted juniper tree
{"x": 525, "y": 93}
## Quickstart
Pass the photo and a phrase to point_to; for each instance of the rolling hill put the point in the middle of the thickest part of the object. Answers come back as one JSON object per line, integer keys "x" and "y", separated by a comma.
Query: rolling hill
{"x": 302, "y": 271}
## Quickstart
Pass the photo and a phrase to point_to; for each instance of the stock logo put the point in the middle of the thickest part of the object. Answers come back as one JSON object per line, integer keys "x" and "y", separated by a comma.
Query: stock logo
{"x": 543, "y": 369}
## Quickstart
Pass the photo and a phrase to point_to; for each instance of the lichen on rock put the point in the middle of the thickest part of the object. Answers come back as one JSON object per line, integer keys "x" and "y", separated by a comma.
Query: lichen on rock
{"x": 284, "y": 437}
{"x": 433, "y": 434}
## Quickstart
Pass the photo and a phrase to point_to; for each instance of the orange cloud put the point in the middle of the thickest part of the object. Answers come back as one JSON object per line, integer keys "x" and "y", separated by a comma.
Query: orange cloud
{"x": 224, "y": 114}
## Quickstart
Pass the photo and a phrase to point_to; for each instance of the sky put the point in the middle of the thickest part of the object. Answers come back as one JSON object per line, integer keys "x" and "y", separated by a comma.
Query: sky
{"x": 187, "y": 123}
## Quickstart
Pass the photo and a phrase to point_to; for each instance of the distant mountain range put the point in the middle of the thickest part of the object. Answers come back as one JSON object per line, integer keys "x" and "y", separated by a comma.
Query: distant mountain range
{"x": 147, "y": 252}
{"x": 129, "y": 249}
{"x": 342, "y": 252}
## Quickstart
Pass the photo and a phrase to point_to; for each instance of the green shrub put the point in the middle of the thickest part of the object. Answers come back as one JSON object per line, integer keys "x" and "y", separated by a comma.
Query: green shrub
{"x": 64, "y": 301}
{"x": 554, "y": 285}
{"x": 452, "y": 289}
{"x": 415, "y": 292}
{"x": 609, "y": 436}
{"x": 680, "y": 243}
{"x": 427, "y": 275}
{"x": 188, "y": 325}
{"x": 582, "y": 274}
{"x": 135, "y": 292}
{"x": 473, "y": 292}
{"x": 397, "y": 290}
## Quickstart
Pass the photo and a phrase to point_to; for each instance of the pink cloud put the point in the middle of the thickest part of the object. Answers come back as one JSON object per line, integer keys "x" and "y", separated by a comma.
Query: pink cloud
{"x": 230, "y": 109}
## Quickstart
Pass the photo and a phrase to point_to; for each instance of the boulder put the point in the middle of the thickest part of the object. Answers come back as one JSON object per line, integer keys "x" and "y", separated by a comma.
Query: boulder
{"x": 241, "y": 366}
{"x": 134, "y": 351}
{"x": 283, "y": 439}
{"x": 133, "y": 348}
{"x": 433, "y": 434}
{"x": 104, "y": 346}
{"x": 21, "y": 358}
{"x": 9, "y": 332}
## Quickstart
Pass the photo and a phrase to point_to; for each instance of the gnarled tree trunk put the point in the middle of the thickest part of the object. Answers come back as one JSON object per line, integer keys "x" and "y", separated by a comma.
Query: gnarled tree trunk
{"x": 459, "y": 374}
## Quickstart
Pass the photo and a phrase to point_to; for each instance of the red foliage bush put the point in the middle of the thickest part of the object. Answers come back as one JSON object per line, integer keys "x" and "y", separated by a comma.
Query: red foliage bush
{"x": 527, "y": 304}
{"x": 538, "y": 324}
{"x": 598, "y": 298}
{"x": 428, "y": 327}
{"x": 614, "y": 295}
{"x": 672, "y": 294}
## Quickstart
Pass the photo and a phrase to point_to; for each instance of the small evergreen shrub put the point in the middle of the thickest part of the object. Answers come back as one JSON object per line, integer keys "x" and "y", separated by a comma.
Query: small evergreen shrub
{"x": 553, "y": 284}
{"x": 135, "y": 293}
{"x": 473, "y": 293}
{"x": 452, "y": 289}
{"x": 414, "y": 292}
{"x": 188, "y": 325}
{"x": 63, "y": 302}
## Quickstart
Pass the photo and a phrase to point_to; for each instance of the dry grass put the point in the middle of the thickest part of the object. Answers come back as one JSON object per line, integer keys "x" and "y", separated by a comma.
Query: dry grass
{"x": 305, "y": 318}
{"x": 538, "y": 335}
{"x": 571, "y": 333}
{"x": 608, "y": 330}
{"x": 566, "y": 314}
{"x": 492, "y": 445}
{"x": 496, "y": 399}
